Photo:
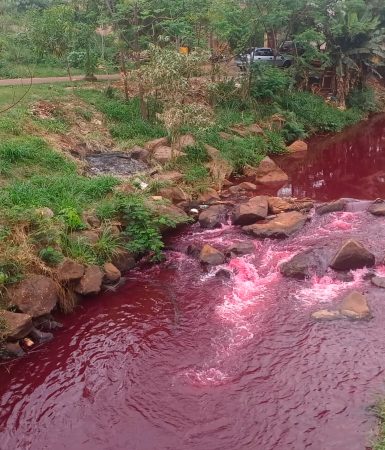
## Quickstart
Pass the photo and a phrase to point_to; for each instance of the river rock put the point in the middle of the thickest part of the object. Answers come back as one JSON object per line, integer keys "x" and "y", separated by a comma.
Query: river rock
{"x": 152, "y": 145}
{"x": 139, "y": 153}
{"x": 17, "y": 325}
{"x": 245, "y": 186}
{"x": 224, "y": 274}
{"x": 69, "y": 270}
{"x": 12, "y": 350}
{"x": 326, "y": 314}
{"x": 46, "y": 323}
{"x": 213, "y": 216}
{"x": 352, "y": 255}
{"x": 36, "y": 295}
{"x": 40, "y": 336}
{"x": 284, "y": 225}
{"x": 242, "y": 248}
{"x": 377, "y": 208}
{"x": 250, "y": 212}
{"x": 172, "y": 212}
{"x": 269, "y": 173}
{"x": 298, "y": 146}
{"x": 91, "y": 281}
{"x": 304, "y": 265}
{"x": 355, "y": 306}
{"x": 209, "y": 196}
{"x": 378, "y": 281}
{"x": 123, "y": 260}
{"x": 174, "y": 194}
{"x": 164, "y": 154}
{"x": 337, "y": 205}
{"x": 212, "y": 256}
{"x": 111, "y": 273}
{"x": 278, "y": 205}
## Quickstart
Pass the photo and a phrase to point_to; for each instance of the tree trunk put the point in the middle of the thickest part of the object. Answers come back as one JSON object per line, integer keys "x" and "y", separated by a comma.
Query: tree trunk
{"x": 124, "y": 72}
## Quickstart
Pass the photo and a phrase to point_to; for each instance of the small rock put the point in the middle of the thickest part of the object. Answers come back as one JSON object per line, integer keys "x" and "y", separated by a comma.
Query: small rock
{"x": 225, "y": 136}
{"x": 69, "y": 270}
{"x": 377, "y": 208}
{"x": 352, "y": 255}
{"x": 40, "y": 336}
{"x": 92, "y": 219}
{"x": 17, "y": 325}
{"x": 213, "y": 217}
{"x": 212, "y": 256}
{"x": 139, "y": 153}
{"x": 355, "y": 306}
{"x": 13, "y": 350}
{"x": 152, "y": 145}
{"x": 250, "y": 212}
{"x": 245, "y": 186}
{"x": 164, "y": 154}
{"x": 378, "y": 281}
{"x": 187, "y": 140}
{"x": 91, "y": 281}
{"x": 123, "y": 260}
{"x": 175, "y": 194}
{"x": 326, "y": 314}
{"x": 282, "y": 226}
{"x": 298, "y": 146}
{"x": 111, "y": 273}
{"x": 242, "y": 248}
{"x": 46, "y": 323}
{"x": 193, "y": 250}
{"x": 211, "y": 195}
{"x": 278, "y": 205}
{"x": 36, "y": 295}
{"x": 325, "y": 208}
{"x": 224, "y": 274}
{"x": 170, "y": 177}
{"x": 47, "y": 213}
{"x": 90, "y": 236}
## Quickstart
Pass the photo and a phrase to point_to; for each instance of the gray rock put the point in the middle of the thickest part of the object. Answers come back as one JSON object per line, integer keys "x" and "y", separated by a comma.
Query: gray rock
{"x": 352, "y": 255}
{"x": 305, "y": 264}
{"x": 212, "y": 256}
{"x": 213, "y": 216}
{"x": 337, "y": 205}
{"x": 250, "y": 212}
{"x": 282, "y": 226}
{"x": 378, "y": 281}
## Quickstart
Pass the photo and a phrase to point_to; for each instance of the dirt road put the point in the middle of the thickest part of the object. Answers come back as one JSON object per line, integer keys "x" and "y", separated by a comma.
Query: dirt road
{"x": 50, "y": 80}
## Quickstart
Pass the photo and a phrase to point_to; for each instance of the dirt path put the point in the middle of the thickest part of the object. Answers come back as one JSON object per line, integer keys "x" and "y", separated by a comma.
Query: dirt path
{"x": 49, "y": 80}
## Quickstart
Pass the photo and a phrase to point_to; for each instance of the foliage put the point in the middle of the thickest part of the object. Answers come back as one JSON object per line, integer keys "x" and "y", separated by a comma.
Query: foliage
{"x": 71, "y": 218}
{"x": 363, "y": 99}
{"x": 269, "y": 82}
{"x": 51, "y": 256}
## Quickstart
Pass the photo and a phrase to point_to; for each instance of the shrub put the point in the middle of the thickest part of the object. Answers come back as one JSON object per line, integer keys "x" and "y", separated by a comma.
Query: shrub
{"x": 72, "y": 219}
{"x": 107, "y": 245}
{"x": 275, "y": 142}
{"x": 269, "y": 82}
{"x": 363, "y": 99}
{"x": 316, "y": 115}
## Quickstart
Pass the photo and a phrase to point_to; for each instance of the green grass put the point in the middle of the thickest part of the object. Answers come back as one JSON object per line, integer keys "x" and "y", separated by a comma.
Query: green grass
{"x": 379, "y": 410}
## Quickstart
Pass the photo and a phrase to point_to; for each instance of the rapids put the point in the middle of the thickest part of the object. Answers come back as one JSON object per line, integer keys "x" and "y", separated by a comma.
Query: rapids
{"x": 179, "y": 359}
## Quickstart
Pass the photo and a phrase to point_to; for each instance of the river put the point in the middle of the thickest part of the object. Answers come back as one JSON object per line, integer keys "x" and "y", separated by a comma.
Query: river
{"x": 179, "y": 359}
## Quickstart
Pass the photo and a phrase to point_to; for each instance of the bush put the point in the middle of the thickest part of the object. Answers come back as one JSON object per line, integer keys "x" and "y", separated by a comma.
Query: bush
{"x": 269, "y": 82}
{"x": 363, "y": 99}
{"x": 316, "y": 115}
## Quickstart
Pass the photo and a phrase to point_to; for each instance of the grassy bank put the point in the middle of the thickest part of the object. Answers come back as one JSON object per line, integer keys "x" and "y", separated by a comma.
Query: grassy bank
{"x": 37, "y": 171}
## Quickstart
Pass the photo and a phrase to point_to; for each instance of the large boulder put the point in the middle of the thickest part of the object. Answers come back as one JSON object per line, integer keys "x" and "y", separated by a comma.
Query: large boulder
{"x": 250, "y": 212}
{"x": 37, "y": 295}
{"x": 326, "y": 208}
{"x": 269, "y": 173}
{"x": 377, "y": 208}
{"x": 69, "y": 270}
{"x": 91, "y": 281}
{"x": 213, "y": 216}
{"x": 304, "y": 265}
{"x": 355, "y": 306}
{"x": 278, "y": 205}
{"x": 172, "y": 212}
{"x": 352, "y": 255}
{"x": 284, "y": 225}
{"x": 212, "y": 256}
{"x": 209, "y": 196}
{"x": 16, "y": 325}
{"x": 123, "y": 260}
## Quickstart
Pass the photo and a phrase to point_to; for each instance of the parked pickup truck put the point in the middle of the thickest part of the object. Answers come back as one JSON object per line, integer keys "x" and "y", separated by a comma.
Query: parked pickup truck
{"x": 263, "y": 55}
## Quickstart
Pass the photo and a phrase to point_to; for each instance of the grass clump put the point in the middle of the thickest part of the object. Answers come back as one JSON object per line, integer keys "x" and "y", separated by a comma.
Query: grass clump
{"x": 51, "y": 256}
{"x": 379, "y": 410}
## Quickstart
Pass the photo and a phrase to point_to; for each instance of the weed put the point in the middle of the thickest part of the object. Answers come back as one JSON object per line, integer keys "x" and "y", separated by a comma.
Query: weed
{"x": 51, "y": 256}
{"x": 72, "y": 219}
{"x": 78, "y": 248}
{"x": 107, "y": 245}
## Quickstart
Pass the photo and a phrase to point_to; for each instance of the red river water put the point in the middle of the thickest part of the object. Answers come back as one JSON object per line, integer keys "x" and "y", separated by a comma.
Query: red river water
{"x": 178, "y": 359}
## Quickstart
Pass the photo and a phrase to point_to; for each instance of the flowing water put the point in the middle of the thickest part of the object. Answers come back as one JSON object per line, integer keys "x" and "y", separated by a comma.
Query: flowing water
{"x": 179, "y": 359}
